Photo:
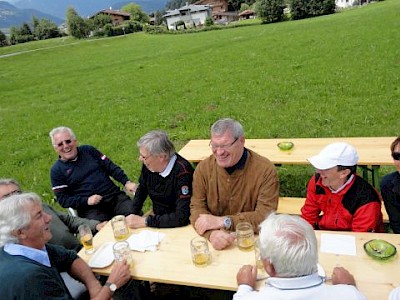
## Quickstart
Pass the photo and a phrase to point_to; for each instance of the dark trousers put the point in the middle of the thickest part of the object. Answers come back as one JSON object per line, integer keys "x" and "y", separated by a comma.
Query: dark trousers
{"x": 111, "y": 205}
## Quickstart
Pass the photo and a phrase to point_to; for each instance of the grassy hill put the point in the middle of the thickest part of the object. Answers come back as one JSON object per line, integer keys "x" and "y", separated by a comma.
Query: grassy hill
{"x": 330, "y": 76}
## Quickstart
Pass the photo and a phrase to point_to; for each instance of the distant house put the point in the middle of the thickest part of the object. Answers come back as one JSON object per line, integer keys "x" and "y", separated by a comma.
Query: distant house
{"x": 350, "y": 3}
{"x": 247, "y": 14}
{"x": 117, "y": 16}
{"x": 218, "y": 6}
{"x": 220, "y": 10}
{"x": 190, "y": 15}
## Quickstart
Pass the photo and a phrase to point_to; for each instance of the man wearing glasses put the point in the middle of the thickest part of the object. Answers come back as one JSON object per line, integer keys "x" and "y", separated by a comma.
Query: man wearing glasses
{"x": 80, "y": 179}
{"x": 166, "y": 178}
{"x": 390, "y": 189}
{"x": 63, "y": 228}
{"x": 233, "y": 185}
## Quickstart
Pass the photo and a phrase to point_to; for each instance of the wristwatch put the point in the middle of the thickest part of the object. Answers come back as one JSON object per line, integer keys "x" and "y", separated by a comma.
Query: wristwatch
{"x": 111, "y": 286}
{"x": 227, "y": 223}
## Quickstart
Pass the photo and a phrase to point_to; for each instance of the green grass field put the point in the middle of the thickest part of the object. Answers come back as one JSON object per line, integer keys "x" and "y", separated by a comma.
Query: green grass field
{"x": 330, "y": 76}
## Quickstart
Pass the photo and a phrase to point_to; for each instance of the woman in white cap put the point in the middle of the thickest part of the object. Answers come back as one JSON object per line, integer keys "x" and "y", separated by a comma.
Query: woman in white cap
{"x": 339, "y": 199}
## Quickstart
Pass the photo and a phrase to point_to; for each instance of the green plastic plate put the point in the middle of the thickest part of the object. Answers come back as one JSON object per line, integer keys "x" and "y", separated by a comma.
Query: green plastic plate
{"x": 380, "y": 249}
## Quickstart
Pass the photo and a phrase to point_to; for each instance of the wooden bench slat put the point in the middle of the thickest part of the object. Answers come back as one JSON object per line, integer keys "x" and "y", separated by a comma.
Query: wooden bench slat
{"x": 293, "y": 205}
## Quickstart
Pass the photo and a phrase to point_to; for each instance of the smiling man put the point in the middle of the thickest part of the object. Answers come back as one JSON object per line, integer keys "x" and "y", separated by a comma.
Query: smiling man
{"x": 30, "y": 267}
{"x": 166, "y": 177}
{"x": 81, "y": 179}
{"x": 234, "y": 184}
{"x": 339, "y": 199}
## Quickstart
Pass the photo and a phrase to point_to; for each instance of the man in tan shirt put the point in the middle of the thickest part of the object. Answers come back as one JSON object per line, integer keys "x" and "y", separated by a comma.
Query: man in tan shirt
{"x": 234, "y": 184}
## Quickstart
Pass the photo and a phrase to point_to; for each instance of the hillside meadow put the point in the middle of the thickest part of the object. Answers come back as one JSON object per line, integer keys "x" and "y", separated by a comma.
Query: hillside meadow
{"x": 330, "y": 76}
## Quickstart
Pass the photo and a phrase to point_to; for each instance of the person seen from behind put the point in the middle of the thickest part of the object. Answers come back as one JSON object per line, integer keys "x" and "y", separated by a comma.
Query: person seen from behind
{"x": 289, "y": 254}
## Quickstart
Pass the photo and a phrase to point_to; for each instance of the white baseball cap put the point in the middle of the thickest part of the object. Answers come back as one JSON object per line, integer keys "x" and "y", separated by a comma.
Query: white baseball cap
{"x": 335, "y": 154}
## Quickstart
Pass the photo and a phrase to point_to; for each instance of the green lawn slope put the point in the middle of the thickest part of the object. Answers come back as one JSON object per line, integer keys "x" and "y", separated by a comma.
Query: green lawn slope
{"x": 330, "y": 76}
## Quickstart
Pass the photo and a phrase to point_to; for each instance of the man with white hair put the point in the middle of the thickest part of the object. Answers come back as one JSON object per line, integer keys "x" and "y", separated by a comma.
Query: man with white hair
{"x": 339, "y": 199}
{"x": 30, "y": 267}
{"x": 289, "y": 254}
{"x": 82, "y": 178}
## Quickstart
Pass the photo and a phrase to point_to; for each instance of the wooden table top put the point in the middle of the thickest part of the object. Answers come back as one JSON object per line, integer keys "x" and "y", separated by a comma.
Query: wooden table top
{"x": 171, "y": 263}
{"x": 371, "y": 150}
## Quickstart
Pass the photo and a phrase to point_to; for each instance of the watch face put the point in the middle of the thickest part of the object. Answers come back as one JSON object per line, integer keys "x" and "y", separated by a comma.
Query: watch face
{"x": 112, "y": 286}
{"x": 227, "y": 223}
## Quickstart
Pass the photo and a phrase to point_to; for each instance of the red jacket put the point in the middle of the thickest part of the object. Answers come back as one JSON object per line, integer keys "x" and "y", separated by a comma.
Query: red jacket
{"x": 355, "y": 208}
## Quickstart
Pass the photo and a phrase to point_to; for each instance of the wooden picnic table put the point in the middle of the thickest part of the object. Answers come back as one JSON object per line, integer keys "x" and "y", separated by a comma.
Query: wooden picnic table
{"x": 373, "y": 152}
{"x": 171, "y": 262}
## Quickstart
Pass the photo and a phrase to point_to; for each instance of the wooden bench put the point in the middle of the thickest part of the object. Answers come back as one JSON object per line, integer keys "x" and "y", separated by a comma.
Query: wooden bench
{"x": 293, "y": 205}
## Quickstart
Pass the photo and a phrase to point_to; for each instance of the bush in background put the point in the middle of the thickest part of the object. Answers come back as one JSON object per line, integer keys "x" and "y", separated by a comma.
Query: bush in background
{"x": 270, "y": 11}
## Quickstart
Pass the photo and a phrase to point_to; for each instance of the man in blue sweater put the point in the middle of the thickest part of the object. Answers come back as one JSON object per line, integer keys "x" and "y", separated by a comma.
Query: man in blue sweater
{"x": 81, "y": 179}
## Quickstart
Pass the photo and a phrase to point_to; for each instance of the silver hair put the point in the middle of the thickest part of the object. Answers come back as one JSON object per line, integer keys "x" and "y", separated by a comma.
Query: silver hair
{"x": 8, "y": 181}
{"x": 157, "y": 142}
{"x": 290, "y": 244}
{"x": 227, "y": 124}
{"x": 60, "y": 129}
{"x": 14, "y": 215}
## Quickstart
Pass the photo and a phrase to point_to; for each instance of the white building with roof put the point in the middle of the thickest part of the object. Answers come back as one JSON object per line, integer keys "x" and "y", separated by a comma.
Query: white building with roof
{"x": 190, "y": 14}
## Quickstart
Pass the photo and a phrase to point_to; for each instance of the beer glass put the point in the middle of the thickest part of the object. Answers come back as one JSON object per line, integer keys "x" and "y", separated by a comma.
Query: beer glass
{"x": 245, "y": 236}
{"x": 86, "y": 238}
{"x": 120, "y": 228}
{"x": 201, "y": 256}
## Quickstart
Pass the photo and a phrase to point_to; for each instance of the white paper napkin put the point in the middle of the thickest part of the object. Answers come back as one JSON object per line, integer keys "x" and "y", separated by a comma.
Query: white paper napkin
{"x": 146, "y": 240}
{"x": 338, "y": 244}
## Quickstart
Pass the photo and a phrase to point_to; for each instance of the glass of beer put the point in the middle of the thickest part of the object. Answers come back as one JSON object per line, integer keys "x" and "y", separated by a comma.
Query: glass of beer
{"x": 86, "y": 238}
{"x": 120, "y": 228}
{"x": 122, "y": 251}
{"x": 201, "y": 256}
{"x": 245, "y": 236}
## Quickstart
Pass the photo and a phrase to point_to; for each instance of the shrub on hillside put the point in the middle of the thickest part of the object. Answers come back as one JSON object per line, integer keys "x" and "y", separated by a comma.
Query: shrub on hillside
{"x": 152, "y": 29}
{"x": 3, "y": 39}
{"x": 209, "y": 21}
{"x": 301, "y": 9}
{"x": 270, "y": 11}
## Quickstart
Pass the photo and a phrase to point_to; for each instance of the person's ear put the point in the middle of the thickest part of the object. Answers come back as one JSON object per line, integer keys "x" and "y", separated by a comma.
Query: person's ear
{"x": 19, "y": 234}
{"x": 269, "y": 267}
{"x": 344, "y": 173}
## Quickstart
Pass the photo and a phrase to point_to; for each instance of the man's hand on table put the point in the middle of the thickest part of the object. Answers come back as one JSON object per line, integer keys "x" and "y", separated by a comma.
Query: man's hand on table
{"x": 208, "y": 222}
{"x": 220, "y": 239}
{"x": 341, "y": 276}
{"x": 135, "y": 221}
{"x": 101, "y": 225}
{"x": 247, "y": 275}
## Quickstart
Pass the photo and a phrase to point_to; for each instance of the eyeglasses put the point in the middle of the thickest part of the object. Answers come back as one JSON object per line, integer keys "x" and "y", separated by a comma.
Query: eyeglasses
{"x": 144, "y": 157}
{"x": 396, "y": 155}
{"x": 222, "y": 147}
{"x": 11, "y": 193}
{"x": 66, "y": 142}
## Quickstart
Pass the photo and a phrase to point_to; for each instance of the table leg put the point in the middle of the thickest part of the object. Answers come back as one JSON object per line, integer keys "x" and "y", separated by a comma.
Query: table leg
{"x": 375, "y": 176}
